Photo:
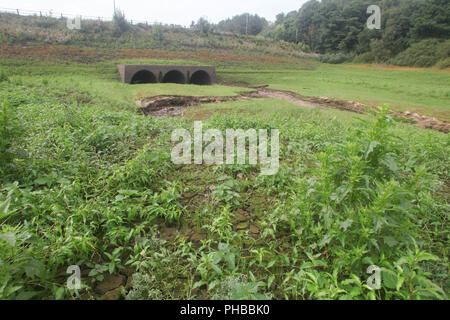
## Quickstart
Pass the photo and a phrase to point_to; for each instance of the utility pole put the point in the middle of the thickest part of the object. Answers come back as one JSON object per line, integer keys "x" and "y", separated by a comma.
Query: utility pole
{"x": 246, "y": 25}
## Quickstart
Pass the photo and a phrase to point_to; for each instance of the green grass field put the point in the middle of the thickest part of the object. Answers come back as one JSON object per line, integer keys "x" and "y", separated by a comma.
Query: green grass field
{"x": 424, "y": 91}
{"x": 87, "y": 181}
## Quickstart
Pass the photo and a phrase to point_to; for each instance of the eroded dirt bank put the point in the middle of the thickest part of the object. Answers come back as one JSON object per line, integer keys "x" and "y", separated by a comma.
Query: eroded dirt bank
{"x": 174, "y": 106}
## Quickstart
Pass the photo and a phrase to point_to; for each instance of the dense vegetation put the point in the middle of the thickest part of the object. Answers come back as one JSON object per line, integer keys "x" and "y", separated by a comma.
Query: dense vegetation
{"x": 243, "y": 24}
{"x": 121, "y": 34}
{"x": 86, "y": 181}
{"x": 338, "y": 27}
{"x": 413, "y": 33}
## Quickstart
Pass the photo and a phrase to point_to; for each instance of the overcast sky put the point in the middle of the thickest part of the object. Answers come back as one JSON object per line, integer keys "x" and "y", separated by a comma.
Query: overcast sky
{"x": 165, "y": 11}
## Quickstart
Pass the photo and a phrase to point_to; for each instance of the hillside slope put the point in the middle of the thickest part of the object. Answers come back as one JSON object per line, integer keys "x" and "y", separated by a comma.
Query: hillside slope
{"x": 36, "y": 30}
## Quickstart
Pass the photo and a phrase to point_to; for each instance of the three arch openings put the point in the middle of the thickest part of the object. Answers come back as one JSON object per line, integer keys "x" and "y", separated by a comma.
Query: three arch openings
{"x": 142, "y": 74}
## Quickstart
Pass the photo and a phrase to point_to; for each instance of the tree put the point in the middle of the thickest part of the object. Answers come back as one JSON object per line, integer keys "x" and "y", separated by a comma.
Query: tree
{"x": 243, "y": 24}
{"x": 306, "y": 24}
{"x": 203, "y": 25}
{"x": 433, "y": 20}
{"x": 120, "y": 23}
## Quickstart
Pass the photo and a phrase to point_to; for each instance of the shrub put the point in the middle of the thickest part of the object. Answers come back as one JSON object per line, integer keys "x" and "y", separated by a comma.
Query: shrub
{"x": 367, "y": 57}
{"x": 426, "y": 53}
{"x": 380, "y": 53}
{"x": 336, "y": 58}
{"x": 444, "y": 63}
{"x": 443, "y": 50}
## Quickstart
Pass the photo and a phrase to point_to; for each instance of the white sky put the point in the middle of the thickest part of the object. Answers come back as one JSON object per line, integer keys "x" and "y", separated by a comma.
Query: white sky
{"x": 165, "y": 11}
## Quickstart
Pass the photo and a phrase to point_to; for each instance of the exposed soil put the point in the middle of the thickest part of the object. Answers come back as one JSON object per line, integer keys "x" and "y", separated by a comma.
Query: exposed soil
{"x": 174, "y": 106}
{"x": 287, "y": 96}
{"x": 425, "y": 122}
{"x": 312, "y": 102}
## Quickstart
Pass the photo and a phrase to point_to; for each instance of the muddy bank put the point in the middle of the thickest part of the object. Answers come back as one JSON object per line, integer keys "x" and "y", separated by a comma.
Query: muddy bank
{"x": 421, "y": 121}
{"x": 175, "y": 106}
{"x": 425, "y": 122}
{"x": 313, "y": 102}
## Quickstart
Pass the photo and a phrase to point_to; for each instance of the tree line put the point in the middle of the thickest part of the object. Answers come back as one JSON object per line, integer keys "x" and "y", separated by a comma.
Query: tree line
{"x": 243, "y": 24}
{"x": 339, "y": 27}
{"x": 333, "y": 26}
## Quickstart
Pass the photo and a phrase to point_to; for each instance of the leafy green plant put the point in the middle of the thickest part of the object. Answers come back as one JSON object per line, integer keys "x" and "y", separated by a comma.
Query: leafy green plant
{"x": 166, "y": 204}
{"x": 213, "y": 265}
{"x": 19, "y": 266}
{"x": 227, "y": 193}
{"x": 97, "y": 271}
{"x": 143, "y": 288}
{"x": 238, "y": 288}
{"x": 10, "y": 130}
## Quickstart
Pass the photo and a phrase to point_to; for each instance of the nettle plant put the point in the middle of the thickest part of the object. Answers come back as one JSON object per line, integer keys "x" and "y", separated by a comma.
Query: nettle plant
{"x": 227, "y": 193}
{"x": 358, "y": 207}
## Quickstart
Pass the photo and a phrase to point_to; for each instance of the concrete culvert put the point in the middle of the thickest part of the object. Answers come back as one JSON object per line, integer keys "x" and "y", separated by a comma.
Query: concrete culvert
{"x": 143, "y": 76}
{"x": 174, "y": 76}
{"x": 201, "y": 77}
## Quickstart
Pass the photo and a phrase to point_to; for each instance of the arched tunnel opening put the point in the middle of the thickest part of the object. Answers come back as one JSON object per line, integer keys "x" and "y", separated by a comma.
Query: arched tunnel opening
{"x": 201, "y": 78}
{"x": 143, "y": 76}
{"x": 174, "y": 76}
